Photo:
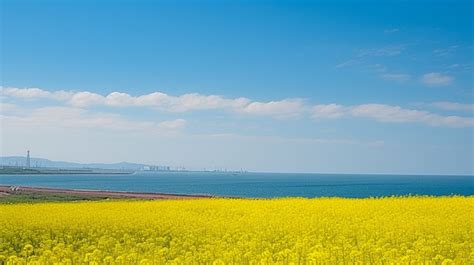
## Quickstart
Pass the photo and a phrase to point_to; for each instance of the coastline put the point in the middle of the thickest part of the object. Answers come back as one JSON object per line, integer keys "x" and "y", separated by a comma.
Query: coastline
{"x": 9, "y": 190}
{"x": 6, "y": 170}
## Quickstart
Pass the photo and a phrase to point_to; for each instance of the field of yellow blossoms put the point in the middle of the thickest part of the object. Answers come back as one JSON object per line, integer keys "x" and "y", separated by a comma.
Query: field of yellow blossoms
{"x": 409, "y": 230}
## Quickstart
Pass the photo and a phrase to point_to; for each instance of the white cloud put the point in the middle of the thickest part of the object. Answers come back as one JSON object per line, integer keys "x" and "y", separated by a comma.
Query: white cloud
{"x": 446, "y": 105}
{"x": 26, "y": 92}
{"x": 436, "y": 79}
{"x": 285, "y": 108}
{"x": 396, "y": 77}
{"x": 391, "y": 114}
{"x": 161, "y": 101}
{"x": 196, "y": 101}
{"x": 396, "y": 114}
{"x": 35, "y": 93}
{"x": 153, "y": 99}
{"x": 183, "y": 103}
{"x": 282, "y": 109}
{"x": 69, "y": 117}
{"x": 84, "y": 99}
{"x": 387, "y": 113}
{"x": 119, "y": 99}
{"x": 330, "y": 111}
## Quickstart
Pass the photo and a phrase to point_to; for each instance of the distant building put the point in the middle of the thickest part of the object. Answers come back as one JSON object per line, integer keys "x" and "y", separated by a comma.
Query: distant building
{"x": 156, "y": 168}
{"x": 28, "y": 163}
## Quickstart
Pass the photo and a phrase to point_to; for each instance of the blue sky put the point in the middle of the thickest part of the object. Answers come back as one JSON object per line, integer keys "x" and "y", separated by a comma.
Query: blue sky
{"x": 288, "y": 86}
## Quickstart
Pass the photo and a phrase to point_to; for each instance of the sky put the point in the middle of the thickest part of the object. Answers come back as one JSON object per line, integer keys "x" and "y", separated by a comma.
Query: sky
{"x": 274, "y": 86}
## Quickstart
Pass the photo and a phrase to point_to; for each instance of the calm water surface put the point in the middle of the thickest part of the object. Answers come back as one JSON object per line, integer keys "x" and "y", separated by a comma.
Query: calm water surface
{"x": 264, "y": 185}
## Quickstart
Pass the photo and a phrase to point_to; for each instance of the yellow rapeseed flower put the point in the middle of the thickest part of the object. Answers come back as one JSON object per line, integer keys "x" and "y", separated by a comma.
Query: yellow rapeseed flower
{"x": 395, "y": 230}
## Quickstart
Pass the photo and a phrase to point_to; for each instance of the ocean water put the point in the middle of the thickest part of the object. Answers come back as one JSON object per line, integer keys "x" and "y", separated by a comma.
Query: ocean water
{"x": 258, "y": 185}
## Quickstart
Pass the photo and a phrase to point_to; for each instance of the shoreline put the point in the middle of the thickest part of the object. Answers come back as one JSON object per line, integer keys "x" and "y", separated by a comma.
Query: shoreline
{"x": 9, "y": 190}
{"x": 5, "y": 170}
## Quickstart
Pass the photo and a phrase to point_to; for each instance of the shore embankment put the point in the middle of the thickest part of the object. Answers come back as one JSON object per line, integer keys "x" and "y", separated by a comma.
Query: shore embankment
{"x": 46, "y": 194}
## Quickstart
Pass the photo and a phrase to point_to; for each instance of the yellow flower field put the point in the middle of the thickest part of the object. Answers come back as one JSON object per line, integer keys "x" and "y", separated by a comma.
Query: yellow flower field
{"x": 413, "y": 230}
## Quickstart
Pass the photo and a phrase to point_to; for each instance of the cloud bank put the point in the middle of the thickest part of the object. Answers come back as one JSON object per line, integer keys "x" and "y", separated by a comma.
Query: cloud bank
{"x": 285, "y": 108}
{"x": 71, "y": 117}
{"x": 446, "y": 105}
{"x": 389, "y": 114}
{"x": 164, "y": 102}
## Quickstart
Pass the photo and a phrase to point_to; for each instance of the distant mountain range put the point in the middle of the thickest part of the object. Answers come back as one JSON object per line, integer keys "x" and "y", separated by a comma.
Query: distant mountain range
{"x": 41, "y": 162}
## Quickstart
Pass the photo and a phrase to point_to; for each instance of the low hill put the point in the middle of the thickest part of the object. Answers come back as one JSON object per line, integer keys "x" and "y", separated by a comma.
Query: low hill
{"x": 42, "y": 162}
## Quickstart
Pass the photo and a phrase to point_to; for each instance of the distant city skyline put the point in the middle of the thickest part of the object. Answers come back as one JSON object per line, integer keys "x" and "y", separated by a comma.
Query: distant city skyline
{"x": 346, "y": 87}
{"x": 42, "y": 162}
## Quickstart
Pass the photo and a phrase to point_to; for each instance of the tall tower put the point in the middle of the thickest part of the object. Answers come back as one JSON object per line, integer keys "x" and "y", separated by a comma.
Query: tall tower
{"x": 28, "y": 158}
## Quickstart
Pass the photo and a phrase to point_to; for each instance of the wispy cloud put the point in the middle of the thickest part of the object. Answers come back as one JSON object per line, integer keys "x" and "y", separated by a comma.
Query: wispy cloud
{"x": 71, "y": 117}
{"x": 364, "y": 54}
{"x": 460, "y": 68}
{"x": 390, "y": 31}
{"x": 365, "y": 58}
{"x": 384, "y": 73}
{"x": 384, "y": 51}
{"x": 277, "y": 139}
{"x": 348, "y": 63}
{"x": 174, "y": 124}
{"x": 445, "y": 52}
{"x": 390, "y": 114}
{"x": 396, "y": 77}
{"x": 436, "y": 79}
{"x": 378, "y": 68}
{"x": 5, "y": 107}
{"x": 396, "y": 114}
{"x": 446, "y": 105}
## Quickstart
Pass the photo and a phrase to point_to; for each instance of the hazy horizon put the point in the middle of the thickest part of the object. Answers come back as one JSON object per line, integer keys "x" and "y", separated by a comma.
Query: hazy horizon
{"x": 385, "y": 88}
{"x": 182, "y": 167}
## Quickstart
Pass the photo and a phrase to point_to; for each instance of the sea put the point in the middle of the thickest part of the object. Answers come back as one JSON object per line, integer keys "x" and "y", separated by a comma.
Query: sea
{"x": 256, "y": 185}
